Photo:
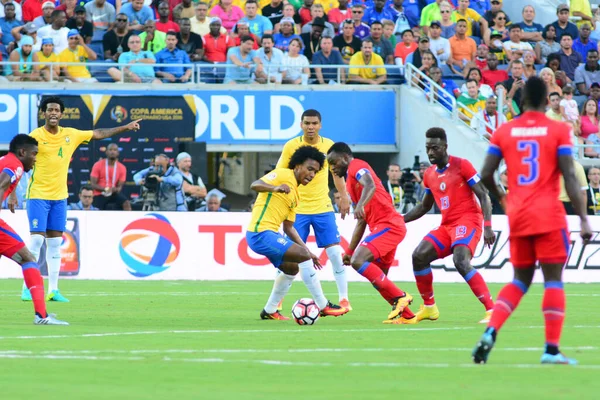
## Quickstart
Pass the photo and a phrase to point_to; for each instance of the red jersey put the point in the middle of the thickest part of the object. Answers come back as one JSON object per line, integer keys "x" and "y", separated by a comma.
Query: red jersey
{"x": 380, "y": 210}
{"x": 10, "y": 165}
{"x": 530, "y": 145}
{"x": 451, "y": 189}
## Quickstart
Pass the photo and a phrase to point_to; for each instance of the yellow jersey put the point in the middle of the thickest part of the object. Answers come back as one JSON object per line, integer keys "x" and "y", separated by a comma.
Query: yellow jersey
{"x": 271, "y": 209}
{"x": 367, "y": 73}
{"x": 314, "y": 197}
{"x": 52, "y": 58}
{"x": 78, "y": 56}
{"x": 49, "y": 178}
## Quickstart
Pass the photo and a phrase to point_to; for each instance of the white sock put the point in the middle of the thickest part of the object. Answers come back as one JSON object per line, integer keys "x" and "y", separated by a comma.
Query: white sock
{"x": 35, "y": 245}
{"x": 339, "y": 270}
{"x": 311, "y": 280}
{"x": 281, "y": 286}
{"x": 53, "y": 262}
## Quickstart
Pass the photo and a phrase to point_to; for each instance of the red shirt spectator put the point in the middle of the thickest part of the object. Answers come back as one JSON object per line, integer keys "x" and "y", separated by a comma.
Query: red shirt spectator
{"x": 32, "y": 9}
{"x": 492, "y": 77}
{"x": 106, "y": 174}
{"x": 69, "y": 8}
{"x": 238, "y": 41}
{"x": 215, "y": 49}
{"x": 166, "y": 27}
{"x": 337, "y": 16}
{"x": 402, "y": 51}
{"x": 305, "y": 16}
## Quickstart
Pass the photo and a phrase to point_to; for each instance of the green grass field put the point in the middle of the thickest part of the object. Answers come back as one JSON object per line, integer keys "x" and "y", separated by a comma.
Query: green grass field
{"x": 204, "y": 340}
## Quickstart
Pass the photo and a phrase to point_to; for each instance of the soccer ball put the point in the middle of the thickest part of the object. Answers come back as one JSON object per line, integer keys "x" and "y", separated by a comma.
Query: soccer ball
{"x": 305, "y": 312}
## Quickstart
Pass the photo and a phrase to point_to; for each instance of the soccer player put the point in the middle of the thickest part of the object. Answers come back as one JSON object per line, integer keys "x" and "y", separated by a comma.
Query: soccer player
{"x": 276, "y": 203}
{"x": 453, "y": 184}
{"x": 374, "y": 207}
{"x": 21, "y": 157}
{"x": 47, "y": 193}
{"x": 536, "y": 150}
{"x": 316, "y": 209}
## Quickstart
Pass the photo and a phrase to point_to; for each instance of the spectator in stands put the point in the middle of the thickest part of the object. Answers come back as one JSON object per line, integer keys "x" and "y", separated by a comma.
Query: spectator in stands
{"x": 405, "y": 48}
{"x": 170, "y": 195}
{"x": 595, "y": 91}
{"x": 152, "y": 39}
{"x": 510, "y": 108}
{"x": 185, "y": 9}
{"x": 431, "y": 13}
{"x": 285, "y": 35}
{"x": 7, "y": 23}
{"x": 24, "y": 55}
{"x": 164, "y": 24}
{"x": 259, "y": 25}
{"x": 86, "y": 198}
{"x": 138, "y": 14}
{"x": 347, "y": 43}
{"x": 568, "y": 106}
{"x": 484, "y": 89}
{"x": 216, "y": 44}
{"x": 200, "y": 24}
{"x": 487, "y": 121}
{"x": 369, "y": 76}
{"x": 68, "y": 6}
{"x": 496, "y": 46}
{"x": 392, "y": 185}
{"x": 290, "y": 12}
{"x": 243, "y": 29}
{"x": 312, "y": 39}
{"x": 553, "y": 111}
{"x": 446, "y": 22}
{"x": 548, "y": 45}
{"x": 480, "y": 60}
{"x": 583, "y": 43}
{"x": 452, "y": 91}
{"x": 381, "y": 45}
{"x": 471, "y": 16}
{"x": 336, "y": 16}
{"x": 463, "y": 48}
{"x": 172, "y": 55}
{"x": 47, "y": 55}
{"x": 32, "y": 9}
{"x": 569, "y": 59}
{"x": 271, "y": 59}
{"x": 588, "y": 73}
{"x": 46, "y": 17}
{"x": 515, "y": 48}
{"x": 246, "y": 61}
{"x": 192, "y": 43}
{"x": 361, "y": 30}
{"x": 582, "y": 9}
{"x": 400, "y": 20}
{"x": 57, "y": 31}
{"x": 388, "y": 32}
{"x": 273, "y": 11}
{"x": 562, "y": 25}
{"x": 193, "y": 186}
{"x": 213, "y": 204}
{"x": 490, "y": 15}
{"x": 77, "y": 52}
{"x": 328, "y": 56}
{"x": 102, "y": 15}
{"x": 28, "y": 29}
{"x": 549, "y": 79}
{"x": 107, "y": 179}
{"x": 295, "y": 64}
{"x": 78, "y": 22}
{"x": 304, "y": 12}
{"x": 516, "y": 82}
{"x": 230, "y": 14}
{"x": 415, "y": 57}
{"x": 589, "y": 126}
{"x": 530, "y": 31}
{"x": 492, "y": 75}
{"x": 593, "y": 195}
{"x": 377, "y": 12}
{"x": 438, "y": 45}
{"x": 470, "y": 103}
{"x": 500, "y": 27}
{"x": 137, "y": 64}
{"x": 114, "y": 42}
{"x": 317, "y": 12}
{"x": 529, "y": 64}
{"x": 553, "y": 62}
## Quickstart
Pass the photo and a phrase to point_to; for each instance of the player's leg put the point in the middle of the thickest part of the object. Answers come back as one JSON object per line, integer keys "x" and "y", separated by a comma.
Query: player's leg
{"x": 407, "y": 316}
{"x": 286, "y": 273}
{"x": 57, "y": 220}
{"x": 37, "y": 214}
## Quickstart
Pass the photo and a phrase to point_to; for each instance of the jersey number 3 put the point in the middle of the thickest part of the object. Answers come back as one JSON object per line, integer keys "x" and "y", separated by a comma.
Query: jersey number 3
{"x": 531, "y": 160}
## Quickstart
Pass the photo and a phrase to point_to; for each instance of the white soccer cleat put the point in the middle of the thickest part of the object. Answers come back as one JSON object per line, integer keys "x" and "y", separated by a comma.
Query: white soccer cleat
{"x": 49, "y": 320}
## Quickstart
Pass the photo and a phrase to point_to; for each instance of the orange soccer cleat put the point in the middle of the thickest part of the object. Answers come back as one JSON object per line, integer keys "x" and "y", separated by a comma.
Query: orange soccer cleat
{"x": 333, "y": 310}
{"x": 345, "y": 304}
{"x": 276, "y": 315}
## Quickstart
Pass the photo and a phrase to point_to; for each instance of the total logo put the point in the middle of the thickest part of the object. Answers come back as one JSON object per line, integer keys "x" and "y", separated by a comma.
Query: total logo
{"x": 149, "y": 245}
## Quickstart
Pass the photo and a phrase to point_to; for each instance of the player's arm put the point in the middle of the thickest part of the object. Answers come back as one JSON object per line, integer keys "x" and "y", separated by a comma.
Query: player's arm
{"x": 290, "y": 231}
{"x": 99, "y": 134}
{"x": 420, "y": 209}
{"x": 94, "y": 183}
{"x": 340, "y": 185}
{"x": 368, "y": 184}
{"x": 486, "y": 206}
{"x": 260, "y": 186}
{"x": 359, "y": 231}
{"x": 5, "y": 180}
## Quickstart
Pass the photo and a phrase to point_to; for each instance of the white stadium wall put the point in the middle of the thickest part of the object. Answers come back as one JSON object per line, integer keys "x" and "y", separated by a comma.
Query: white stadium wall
{"x": 212, "y": 246}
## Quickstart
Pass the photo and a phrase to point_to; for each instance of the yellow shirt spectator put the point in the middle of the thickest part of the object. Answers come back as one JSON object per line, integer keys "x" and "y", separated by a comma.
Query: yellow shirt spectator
{"x": 471, "y": 16}
{"x": 367, "y": 73}
{"x": 80, "y": 56}
{"x": 52, "y": 58}
{"x": 241, "y": 4}
{"x": 581, "y": 178}
{"x": 584, "y": 7}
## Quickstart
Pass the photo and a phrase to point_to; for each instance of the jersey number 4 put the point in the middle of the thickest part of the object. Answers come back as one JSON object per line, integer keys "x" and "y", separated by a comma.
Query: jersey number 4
{"x": 60, "y": 154}
{"x": 531, "y": 160}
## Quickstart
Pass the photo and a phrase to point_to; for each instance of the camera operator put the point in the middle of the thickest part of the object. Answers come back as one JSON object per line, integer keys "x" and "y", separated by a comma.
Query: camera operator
{"x": 410, "y": 181}
{"x": 193, "y": 187}
{"x": 392, "y": 185}
{"x": 162, "y": 185}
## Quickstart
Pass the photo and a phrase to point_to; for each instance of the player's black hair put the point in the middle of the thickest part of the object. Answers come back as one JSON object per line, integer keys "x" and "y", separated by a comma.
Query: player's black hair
{"x": 311, "y": 112}
{"x": 52, "y": 99}
{"x": 306, "y": 153}
{"x": 20, "y": 141}
{"x": 341, "y": 148}
{"x": 436, "y": 133}
{"x": 535, "y": 94}
{"x": 85, "y": 187}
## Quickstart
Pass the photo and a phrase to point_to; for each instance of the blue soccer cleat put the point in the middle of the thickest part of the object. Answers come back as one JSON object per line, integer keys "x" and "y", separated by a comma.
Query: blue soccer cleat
{"x": 56, "y": 296}
{"x": 483, "y": 348}
{"x": 557, "y": 359}
{"x": 26, "y": 294}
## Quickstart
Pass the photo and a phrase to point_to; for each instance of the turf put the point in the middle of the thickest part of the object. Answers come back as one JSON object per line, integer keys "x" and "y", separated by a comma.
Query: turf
{"x": 204, "y": 340}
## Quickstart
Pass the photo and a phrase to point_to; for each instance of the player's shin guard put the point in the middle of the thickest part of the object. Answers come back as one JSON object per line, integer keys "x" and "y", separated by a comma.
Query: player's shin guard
{"x": 386, "y": 288}
{"x": 35, "y": 284}
{"x": 281, "y": 286}
{"x": 508, "y": 300}
{"x": 311, "y": 280}
{"x": 339, "y": 270}
{"x": 53, "y": 262}
{"x": 553, "y": 307}
{"x": 35, "y": 246}
{"x": 424, "y": 279}
{"x": 480, "y": 289}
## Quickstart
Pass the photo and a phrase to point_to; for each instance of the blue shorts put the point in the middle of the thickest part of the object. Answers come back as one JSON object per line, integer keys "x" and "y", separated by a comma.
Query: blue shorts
{"x": 324, "y": 226}
{"x": 272, "y": 245}
{"x": 47, "y": 215}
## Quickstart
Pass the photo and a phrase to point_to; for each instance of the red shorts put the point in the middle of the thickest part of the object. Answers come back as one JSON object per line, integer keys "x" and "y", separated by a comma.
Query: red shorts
{"x": 547, "y": 248}
{"x": 10, "y": 242}
{"x": 383, "y": 241}
{"x": 445, "y": 237}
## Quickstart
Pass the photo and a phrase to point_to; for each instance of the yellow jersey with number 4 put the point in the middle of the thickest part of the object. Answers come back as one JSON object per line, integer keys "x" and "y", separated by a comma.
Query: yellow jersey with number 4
{"x": 271, "y": 209}
{"x": 49, "y": 178}
{"x": 314, "y": 196}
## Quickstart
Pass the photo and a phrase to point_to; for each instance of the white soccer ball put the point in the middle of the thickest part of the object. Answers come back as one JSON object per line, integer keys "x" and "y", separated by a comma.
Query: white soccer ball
{"x": 305, "y": 312}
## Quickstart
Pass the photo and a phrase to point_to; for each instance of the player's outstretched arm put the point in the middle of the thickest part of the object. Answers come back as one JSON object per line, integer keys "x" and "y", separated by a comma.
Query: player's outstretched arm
{"x": 261, "y": 186}
{"x": 490, "y": 165}
{"x": 573, "y": 188}
{"x": 340, "y": 185}
{"x": 486, "y": 206}
{"x": 109, "y": 132}
{"x": 420, "y": 209}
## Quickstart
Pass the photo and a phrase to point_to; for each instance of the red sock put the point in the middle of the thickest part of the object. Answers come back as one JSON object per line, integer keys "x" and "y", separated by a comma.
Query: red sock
{"x": 480, "y": 289}
{"x": 407, "y": 314}
{"x": 424, "y": 280}
{"x": 553, "y": 307}
{"x": 386, "y": 288}
{"x": 508, "y": 300}
{"x": 35, "y": 284}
